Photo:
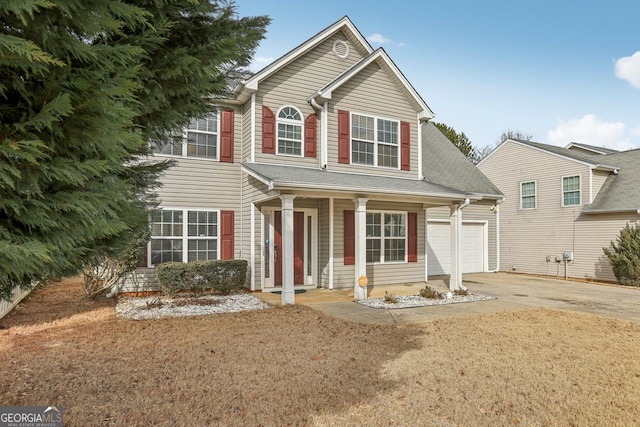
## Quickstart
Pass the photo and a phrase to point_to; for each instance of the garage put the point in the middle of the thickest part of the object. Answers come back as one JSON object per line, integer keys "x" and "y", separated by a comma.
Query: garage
{"x": 474, "y": 247}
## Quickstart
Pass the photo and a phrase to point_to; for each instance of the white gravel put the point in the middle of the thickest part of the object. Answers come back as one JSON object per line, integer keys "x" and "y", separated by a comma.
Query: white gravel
{"x": 410, "y": 301}
{"x": 156, "y": 307}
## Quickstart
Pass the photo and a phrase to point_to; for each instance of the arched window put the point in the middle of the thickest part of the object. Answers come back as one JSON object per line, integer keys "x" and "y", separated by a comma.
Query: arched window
{"x": 289, "y": 138}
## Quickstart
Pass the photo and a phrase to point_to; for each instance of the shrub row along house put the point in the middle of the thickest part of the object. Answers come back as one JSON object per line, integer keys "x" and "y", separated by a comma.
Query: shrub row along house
{"x": 321, "y": 169}
{"x": 572, "y": 200}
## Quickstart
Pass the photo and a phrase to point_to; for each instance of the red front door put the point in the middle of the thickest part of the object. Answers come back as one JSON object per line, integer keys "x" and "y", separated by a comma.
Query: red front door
{"x": 298, "y": 248}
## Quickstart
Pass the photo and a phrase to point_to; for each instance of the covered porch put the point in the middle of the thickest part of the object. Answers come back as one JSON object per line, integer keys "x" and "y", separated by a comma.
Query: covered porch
{"x": 344, "y": 231}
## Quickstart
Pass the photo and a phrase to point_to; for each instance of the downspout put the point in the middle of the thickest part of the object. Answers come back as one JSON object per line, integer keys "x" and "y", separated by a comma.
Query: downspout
{"x": 322, "y": 109}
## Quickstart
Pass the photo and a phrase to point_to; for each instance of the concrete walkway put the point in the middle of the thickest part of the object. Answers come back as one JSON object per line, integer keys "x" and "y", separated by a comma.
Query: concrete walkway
{"x": 512, "y": 292}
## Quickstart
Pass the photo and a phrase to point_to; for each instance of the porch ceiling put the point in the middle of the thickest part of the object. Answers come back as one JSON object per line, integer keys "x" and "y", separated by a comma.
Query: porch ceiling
{"x": 290, "y": 178}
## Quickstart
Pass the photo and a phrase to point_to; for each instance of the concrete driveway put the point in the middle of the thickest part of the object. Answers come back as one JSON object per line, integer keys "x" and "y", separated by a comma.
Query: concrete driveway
{"x": 512, "y": 292}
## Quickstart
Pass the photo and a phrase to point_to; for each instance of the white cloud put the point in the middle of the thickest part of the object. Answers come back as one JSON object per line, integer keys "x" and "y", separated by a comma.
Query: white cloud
{"x": 591, "y": 130}
{"x": 635, "y": 132}
{"x": 259, "y": 62}
{"x": 377, "y": 38}
{"x": 628, "y": 68}
{"x": 401, "y": 44}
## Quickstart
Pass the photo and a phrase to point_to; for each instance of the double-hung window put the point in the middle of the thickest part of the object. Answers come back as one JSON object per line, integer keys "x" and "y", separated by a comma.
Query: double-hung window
{"x": 289, "y": 131}
{"x": 386, "y": 237}
{"x": 200, "y": 139}
{"x": 183, "y": 235}
{"x": 528, "y": 195}
{"x": 374, "y": 141}
{"x": 571, "y": 190}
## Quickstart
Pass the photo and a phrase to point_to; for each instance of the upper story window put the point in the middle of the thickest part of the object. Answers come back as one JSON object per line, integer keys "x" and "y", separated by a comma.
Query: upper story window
{"x": 528, "y": 195}
{"x": 289, "y": 137}
{"x": 374, "y": 141}
{"x": 571, "y": 190}
{"x": 386, "y": 237}
{"x": 200, "y": 139}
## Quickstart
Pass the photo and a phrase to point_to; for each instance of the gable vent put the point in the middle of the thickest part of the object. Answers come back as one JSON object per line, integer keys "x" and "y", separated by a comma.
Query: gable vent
{"x": 340, "y": 49}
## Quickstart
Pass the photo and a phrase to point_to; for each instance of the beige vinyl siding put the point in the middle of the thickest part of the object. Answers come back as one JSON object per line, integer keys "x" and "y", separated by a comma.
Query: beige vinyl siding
{"x": 252, "y": 190}
{"x": 245, "y": 133}
{"x": 378, "y": 274}
{"x": 293, "y": 84}
{"x": 593, "y": 233}
{"x": 599, "y": 177}
{"x": 478, "y": 211}
{"x": 527, "y": 237}
{"x": 323, "y": 243}
{"x": 372, "y": 92}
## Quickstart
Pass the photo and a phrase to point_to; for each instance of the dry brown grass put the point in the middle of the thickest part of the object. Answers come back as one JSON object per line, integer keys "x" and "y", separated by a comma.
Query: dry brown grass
{"x": 295, "y": 366}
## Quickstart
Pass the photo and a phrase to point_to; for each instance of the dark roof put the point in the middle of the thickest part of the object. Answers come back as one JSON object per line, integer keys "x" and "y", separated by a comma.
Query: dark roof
{"x": 281, "y": 177}
{"x": 561, "y": 151}
{"x": 444, "y": 164}
{"x": 621, "y": 191}
{"x": 600, "y": 150}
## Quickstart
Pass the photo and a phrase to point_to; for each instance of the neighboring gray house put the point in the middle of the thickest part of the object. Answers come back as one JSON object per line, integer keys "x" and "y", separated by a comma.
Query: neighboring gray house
{"x": 321, "y": 169}
{"x": 574, "y": 199}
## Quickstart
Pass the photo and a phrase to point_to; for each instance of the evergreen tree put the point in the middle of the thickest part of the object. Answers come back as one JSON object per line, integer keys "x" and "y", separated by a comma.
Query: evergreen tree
{"x": 460, "y": 140}
{"x": 84, "y": 86}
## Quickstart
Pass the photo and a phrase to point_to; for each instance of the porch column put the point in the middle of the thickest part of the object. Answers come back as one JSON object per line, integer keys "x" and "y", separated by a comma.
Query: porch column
{"x": 286, "y": 252}
{"x": 360, "y": 292}
{"x": 455, "y": 273}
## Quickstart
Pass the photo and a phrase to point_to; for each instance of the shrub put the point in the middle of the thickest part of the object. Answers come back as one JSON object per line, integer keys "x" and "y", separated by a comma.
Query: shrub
{"x": 430, "y": 293}
{"x": 461, "y": 292}
{"x": 390, "y": 298}
{"x": 171, "y": 277}
{"x": 624, "y": 256}
{"x": 197, "y": 276}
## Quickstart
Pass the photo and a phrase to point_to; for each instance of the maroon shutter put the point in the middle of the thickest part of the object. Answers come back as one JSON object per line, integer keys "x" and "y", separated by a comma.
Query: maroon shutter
{"x": 226, "y": 136}
{"x": 310, "y": 139}
{"x": 405, "y": 146}
{"x": 268, "y": 131}
{"x": 226, "y": 235}
{"x": 412, "y": 235}
{"x": 349, "y": 237}
{"x": 344, "y": 133}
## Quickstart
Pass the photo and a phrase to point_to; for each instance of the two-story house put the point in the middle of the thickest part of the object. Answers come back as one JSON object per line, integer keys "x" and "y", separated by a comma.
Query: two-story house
{"x": 320, "y": 172}
{"x": 572, "y": 200}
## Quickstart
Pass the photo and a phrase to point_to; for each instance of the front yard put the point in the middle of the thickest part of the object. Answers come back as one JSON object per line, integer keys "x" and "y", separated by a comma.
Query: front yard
{"x": 296, "y": 366}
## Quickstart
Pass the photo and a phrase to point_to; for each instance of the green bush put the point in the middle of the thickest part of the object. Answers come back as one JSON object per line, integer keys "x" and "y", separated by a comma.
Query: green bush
{"x": 624, "y": 256}
{"x": 430, "y": 293}
{"x": 171, "y": 277}
{"x": 197, "y": 276}
{"x": 390, "y": 298}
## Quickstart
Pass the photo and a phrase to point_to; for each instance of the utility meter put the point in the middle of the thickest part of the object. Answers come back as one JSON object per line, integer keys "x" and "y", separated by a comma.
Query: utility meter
{"x": 567, "y": 256}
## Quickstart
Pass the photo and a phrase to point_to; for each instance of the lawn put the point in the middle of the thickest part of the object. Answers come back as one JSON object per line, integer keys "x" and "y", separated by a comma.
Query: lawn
{"x": 296, "y": 366}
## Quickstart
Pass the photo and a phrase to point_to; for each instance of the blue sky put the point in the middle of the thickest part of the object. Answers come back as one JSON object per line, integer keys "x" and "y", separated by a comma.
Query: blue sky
{"x": 561, "y": 71}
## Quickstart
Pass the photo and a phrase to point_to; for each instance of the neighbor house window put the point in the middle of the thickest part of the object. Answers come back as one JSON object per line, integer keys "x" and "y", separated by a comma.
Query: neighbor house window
{"x": 528, "y": 195}
{"x": 200, "y": 139}
{"x": 183, "y": 235}
{"x": 374, "y": 141}
{"x": 289, "y": 131}
{"x": 386, "y": 237}
{"x": 571, "y": 190}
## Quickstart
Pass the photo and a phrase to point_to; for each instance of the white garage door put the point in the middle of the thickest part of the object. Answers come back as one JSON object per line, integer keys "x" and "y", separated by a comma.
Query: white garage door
{"x": 439, "y": 250}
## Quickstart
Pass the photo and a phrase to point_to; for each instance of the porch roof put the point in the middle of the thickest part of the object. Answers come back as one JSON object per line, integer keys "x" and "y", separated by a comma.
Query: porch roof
{"x": 279, "y": 177}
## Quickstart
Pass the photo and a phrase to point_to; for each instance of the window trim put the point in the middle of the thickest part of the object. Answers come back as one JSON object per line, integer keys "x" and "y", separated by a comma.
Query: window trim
{"x": 185, "y": 232}
{"x": 375, "y": 141}
{"x": 535, "y": 195}
{"x": 562, "y": 192}
{"x": 382, "y": 237}
{"x": 289, "y": 122}
{"x": 184, "y": 144}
